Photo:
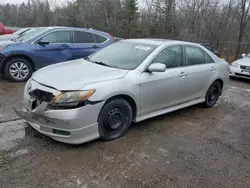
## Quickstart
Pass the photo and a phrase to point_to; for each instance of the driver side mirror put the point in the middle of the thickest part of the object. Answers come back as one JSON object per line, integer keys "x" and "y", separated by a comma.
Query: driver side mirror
{"x": 157, "y": 67}
{"x": 243, "y": 55}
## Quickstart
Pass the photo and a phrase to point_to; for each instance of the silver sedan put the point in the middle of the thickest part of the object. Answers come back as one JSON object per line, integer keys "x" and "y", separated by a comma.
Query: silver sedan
{"x": 129, "y": 81}
{"x": 241, "y": 67}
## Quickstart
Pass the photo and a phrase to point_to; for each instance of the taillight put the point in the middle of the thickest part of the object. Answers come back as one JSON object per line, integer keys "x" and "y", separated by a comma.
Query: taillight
{"x": 112, "y": 37}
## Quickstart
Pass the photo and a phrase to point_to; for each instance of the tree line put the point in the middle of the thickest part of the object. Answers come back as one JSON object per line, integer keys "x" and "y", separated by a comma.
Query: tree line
{"x": 209, "y": 21}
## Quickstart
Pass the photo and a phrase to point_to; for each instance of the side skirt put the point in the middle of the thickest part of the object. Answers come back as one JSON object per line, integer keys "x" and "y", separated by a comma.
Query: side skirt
{"x": 171, "y": 109}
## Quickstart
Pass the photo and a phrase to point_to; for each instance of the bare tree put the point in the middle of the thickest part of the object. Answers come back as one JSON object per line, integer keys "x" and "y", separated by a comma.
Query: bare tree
{"x": 241, "y": 10}
{"x": 209, "y": 21}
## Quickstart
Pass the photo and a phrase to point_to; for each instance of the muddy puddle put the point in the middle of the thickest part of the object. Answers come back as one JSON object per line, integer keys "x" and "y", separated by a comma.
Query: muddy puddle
{"x": 11, "y": 133}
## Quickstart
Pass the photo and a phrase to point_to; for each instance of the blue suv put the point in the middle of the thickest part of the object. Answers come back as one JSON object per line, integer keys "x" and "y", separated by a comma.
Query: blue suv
{"x": 46, "y": 46}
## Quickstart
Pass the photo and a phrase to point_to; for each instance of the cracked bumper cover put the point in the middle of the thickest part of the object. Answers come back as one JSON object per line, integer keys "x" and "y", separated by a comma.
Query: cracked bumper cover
{"x": 80, "y": 124}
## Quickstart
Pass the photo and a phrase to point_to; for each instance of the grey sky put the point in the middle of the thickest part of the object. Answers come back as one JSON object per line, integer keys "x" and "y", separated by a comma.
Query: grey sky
{"x": 12, "y": 1}
{"x": 20, "y": 1}
{"x": 58, "y": 1}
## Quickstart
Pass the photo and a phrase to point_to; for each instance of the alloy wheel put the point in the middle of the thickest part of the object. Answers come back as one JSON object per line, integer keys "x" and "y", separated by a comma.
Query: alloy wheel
{"x": 19, "y": 70}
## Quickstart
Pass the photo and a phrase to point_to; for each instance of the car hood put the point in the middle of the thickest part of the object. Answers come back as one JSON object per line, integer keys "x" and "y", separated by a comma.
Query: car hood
{"x": 7, "y": 42}
{"x": 8, "y": 37}
{"x": 74, "y": 75}
{"x": 245, "y": 61}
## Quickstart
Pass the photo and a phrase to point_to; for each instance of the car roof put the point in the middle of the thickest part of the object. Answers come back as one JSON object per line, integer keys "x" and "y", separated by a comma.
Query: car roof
{"x": 73, "y": 28}
{"x": 158, "y": 42}
{"x": 205, "y": 44}
{"x": 52, "y": 28}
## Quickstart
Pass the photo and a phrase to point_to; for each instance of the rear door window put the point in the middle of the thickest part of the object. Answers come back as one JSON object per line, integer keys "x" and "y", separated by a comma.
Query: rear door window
{"x": 195, "y": 56}
{"x": 83, "y": 37}
{"x": 208, "y": 58}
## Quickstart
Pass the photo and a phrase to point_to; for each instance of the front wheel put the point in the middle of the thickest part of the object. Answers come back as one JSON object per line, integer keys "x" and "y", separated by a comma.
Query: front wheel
{"x": 114, "y": 119}
{"x": 18, "y": 70}
{"x": 212, "y": 95}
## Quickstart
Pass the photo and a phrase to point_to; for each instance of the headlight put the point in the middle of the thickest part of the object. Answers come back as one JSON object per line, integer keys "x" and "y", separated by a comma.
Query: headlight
{"x": 234, "y": 64}
{"x": 71, "y": 99}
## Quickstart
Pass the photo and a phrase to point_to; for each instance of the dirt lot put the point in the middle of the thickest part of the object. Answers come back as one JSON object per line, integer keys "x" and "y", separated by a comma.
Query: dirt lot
{"x": 193, "y": 147}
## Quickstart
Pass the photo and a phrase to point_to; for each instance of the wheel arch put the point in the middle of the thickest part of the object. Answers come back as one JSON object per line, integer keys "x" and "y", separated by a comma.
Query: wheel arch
{"x": 221, "y": 82}
{"x": 129, "y": 99}
{"x": 6, "y": 59}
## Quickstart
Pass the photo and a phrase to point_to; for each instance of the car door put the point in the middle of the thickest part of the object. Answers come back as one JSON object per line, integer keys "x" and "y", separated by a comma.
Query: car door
{"x": 53, "y": 48}
{"x": 84, "y": 44}
{"x": 161, "y": 90}
{"x": 200, "y": 70}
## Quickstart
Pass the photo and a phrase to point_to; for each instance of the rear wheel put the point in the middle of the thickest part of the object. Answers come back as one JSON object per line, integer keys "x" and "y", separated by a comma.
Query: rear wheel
{"x": 213, "y": 94}
{"x": 18, "y": 70}
{"x": 114, "y": 119}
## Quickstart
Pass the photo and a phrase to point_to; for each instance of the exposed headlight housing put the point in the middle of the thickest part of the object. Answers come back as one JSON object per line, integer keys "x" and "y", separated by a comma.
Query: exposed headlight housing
{"x": 234, "y": 64}
{"x": 71, "y": 99}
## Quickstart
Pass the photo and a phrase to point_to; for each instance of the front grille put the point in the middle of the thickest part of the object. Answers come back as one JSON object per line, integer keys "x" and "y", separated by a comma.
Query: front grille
{"x": 42, "y": 96}
{"x": 243, "y": 75}
{"x": 245, "y": 67}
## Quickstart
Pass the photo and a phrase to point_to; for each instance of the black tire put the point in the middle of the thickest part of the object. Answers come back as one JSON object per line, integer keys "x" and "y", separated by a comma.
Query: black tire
{"x": 11, "y": 62}
{"x": 212, "y": 95}
{"x": 114, "y": 119}
{"x": 233, "y": 78}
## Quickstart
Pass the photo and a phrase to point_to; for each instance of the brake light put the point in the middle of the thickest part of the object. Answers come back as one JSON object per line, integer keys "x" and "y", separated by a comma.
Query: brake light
{"x": 112, "y": 37}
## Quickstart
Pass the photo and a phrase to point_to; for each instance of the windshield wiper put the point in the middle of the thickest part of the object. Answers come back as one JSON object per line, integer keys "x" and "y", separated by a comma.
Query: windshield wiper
{"x": 86, "y": 58}
{"x": 100, "y": 63}
{"x": 96, "y": 62}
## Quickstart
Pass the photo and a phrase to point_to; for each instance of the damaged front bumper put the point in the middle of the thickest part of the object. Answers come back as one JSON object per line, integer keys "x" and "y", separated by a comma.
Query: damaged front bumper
{"x": 73, "y": 126}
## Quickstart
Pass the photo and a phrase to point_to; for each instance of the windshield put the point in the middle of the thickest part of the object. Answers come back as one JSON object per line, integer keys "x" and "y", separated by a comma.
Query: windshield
{"x": 124, "y": 54}
{"x": 31, "y": 34}
{"x": 20, "y": 31}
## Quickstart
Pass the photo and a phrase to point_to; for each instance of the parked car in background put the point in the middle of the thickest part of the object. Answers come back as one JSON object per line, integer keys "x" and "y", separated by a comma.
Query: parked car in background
{"x": 131, "y": 80}
{"x": 6, "y": 30}
{"x": 210, "y": 48}
{"x": 241, "y": 67}
{"x": 118, "y": 39}
{"x": 15, "y": 35}
{"x": 46, "y": 46}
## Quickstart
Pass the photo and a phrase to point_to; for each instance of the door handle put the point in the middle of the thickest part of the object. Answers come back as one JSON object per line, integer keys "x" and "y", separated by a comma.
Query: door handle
{"x": 95, "y": 47}
{"x": 64, "y": 46}
{"x": 182, "y": 74}
{"x": 213, "y": 69}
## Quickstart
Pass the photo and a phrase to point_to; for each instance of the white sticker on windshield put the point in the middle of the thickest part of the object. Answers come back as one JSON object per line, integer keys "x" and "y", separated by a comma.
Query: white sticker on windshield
{"x": 146, "y": 48}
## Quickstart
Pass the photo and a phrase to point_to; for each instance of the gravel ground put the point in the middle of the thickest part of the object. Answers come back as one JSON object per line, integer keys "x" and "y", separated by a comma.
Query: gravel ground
{"x": 10, "y": 97}
{"x": 193, "y": 147}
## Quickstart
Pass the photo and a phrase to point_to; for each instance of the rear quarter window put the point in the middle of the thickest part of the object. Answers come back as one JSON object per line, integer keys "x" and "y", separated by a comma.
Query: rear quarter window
{"x": 100, "y": 39}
